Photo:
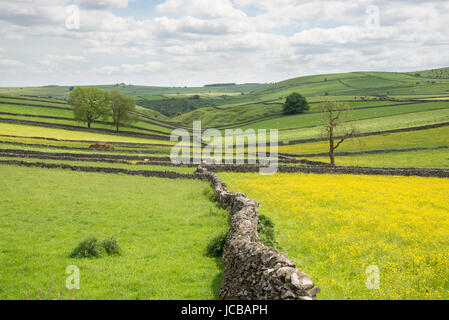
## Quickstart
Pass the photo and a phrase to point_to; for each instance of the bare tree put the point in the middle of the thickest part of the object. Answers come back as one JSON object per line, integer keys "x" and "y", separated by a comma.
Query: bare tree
{"x": 338, "y": 125}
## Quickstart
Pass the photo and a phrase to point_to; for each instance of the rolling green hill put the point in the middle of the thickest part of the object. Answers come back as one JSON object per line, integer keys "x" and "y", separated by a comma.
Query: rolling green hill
{"x": 381, "y": 101}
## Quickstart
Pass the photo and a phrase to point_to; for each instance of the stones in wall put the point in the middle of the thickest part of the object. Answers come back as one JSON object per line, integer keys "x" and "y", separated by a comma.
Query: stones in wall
{"x": 252, "y": 270}
{"x": 420, "y": 172}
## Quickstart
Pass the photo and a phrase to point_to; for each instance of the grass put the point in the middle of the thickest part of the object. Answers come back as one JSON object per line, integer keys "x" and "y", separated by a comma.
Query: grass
{"x": 212, "y": 117}
{"x": 45, "y": 213}
{"x": 317, "y": 119}
{"x": 411, "y": 159}
{"x": 77, "y": 144}
{"x": 35, "y": 131}
{"x": 143, "y": 128}
{"x": 30, "y": 113}
{"x": 428, "y": 138}
{"x": 37, "y": 102}
{"x": 406, "y": 120}
{"x": 131, "y": 90}
{"x": 130, "y": 166}
{"x": 98, "y": 154}
{"x": 335, "y": 226}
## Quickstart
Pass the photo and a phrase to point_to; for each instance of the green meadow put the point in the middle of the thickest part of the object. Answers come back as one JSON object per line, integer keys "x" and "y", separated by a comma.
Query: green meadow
{"x": 162, "y": 226}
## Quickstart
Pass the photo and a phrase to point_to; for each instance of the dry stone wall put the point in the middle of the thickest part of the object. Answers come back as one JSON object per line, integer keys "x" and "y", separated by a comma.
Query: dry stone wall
{"x": 145, "y": 173}
{"x": 254, "y": 271}
{"x": 420, "y": 172}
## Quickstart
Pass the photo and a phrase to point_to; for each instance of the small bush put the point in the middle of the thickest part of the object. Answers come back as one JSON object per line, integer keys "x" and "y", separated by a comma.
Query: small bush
{"x": 265, "y": 228}
{"x": 215, "y": 247}
{"x": 88, "y": 248}
{"x": 111, "y": 246}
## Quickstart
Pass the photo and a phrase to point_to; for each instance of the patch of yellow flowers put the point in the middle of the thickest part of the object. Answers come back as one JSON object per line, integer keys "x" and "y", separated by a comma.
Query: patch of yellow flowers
{"x": 336, "y": 226}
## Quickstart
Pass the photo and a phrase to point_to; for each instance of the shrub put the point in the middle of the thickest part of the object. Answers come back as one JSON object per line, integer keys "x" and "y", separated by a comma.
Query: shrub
{"x": 265, "y": 228}
{"x": 215, "y": 247}
{"x": 87, "y": 248}
{"x": 111, "y": 246}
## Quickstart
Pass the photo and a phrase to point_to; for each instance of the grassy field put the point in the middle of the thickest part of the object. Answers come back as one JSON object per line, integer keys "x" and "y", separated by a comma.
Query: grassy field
{"x": 46, "y": 213}
{"x": 335, "y": 226}
{"x": 36, "y": 131}
{"x": 130, "y": 166}
{"x": 410, "y": 159}
{"x": 428, "y": 138}
{"x": 332, "y": 226}
{"x": 317, "y": 119}
{"x": 406, "y": 120}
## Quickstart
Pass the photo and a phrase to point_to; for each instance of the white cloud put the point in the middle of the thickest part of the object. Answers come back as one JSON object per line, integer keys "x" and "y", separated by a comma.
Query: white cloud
{"x": 54, "y": 59}
{"x": 102, "y": 4}
{"x": 10, "y": 63}
{"x": 143, "y": 68}
{"x": 207, "y": 41}
{"x": 203, "y": 9}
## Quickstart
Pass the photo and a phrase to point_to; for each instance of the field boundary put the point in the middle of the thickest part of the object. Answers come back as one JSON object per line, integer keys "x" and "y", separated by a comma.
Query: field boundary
{"x": 21, "y": 152}
{"x": 254, "y": 271}
{"x": 419, "y": 172}
{"x": 50, "y": 146}
{"x": 144, "y": 173}
{"x": 350, "y": 153}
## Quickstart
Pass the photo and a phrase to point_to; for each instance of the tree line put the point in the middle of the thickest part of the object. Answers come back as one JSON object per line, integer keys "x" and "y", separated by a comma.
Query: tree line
{"x": 92, "y": 103}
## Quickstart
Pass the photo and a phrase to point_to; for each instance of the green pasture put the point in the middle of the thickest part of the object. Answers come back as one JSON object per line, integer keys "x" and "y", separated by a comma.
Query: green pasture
{"x": 36, "y": 131}
{"x": 429, "y": 138}
{"x": 411, "y": 159}
{"x": 46, "y": 213}
{"x": 130, "y": 166}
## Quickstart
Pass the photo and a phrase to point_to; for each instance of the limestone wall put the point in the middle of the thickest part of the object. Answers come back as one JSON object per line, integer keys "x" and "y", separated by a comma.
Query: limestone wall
{"x": 252, "y": 270}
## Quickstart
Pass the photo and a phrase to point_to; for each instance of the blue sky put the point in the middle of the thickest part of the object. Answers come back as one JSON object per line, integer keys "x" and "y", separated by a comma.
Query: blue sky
{"x": 195, "y": 42}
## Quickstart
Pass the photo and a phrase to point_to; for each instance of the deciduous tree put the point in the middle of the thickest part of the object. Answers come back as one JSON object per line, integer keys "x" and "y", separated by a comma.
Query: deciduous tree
{"x": 338, "y": 125}
{"x": 295, "y": 103}
{"x": 123, "y": 109}
{"x": 89, "y": 104}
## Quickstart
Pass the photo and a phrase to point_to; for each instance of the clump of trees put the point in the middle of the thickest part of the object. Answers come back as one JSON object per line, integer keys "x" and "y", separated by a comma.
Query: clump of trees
{"x": 338, "y": 125}
{"x": 91, "y": 103}
{"x": 295, "y": 103}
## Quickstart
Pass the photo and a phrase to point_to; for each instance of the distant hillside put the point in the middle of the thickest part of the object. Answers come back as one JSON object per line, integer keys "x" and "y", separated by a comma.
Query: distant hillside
{"x": 169, "y": 101}
{"x": 442, "y": 73}
{"x": 150, "y": 92}
{"x": 215, "y": 101}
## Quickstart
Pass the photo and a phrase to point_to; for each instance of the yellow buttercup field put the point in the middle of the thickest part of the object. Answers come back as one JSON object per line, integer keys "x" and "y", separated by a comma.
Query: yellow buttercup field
{"x": 337, "y": 227}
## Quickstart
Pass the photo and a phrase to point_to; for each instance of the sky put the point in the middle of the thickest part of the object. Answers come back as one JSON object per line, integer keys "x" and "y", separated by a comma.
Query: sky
{"x": 197, "y": 42}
